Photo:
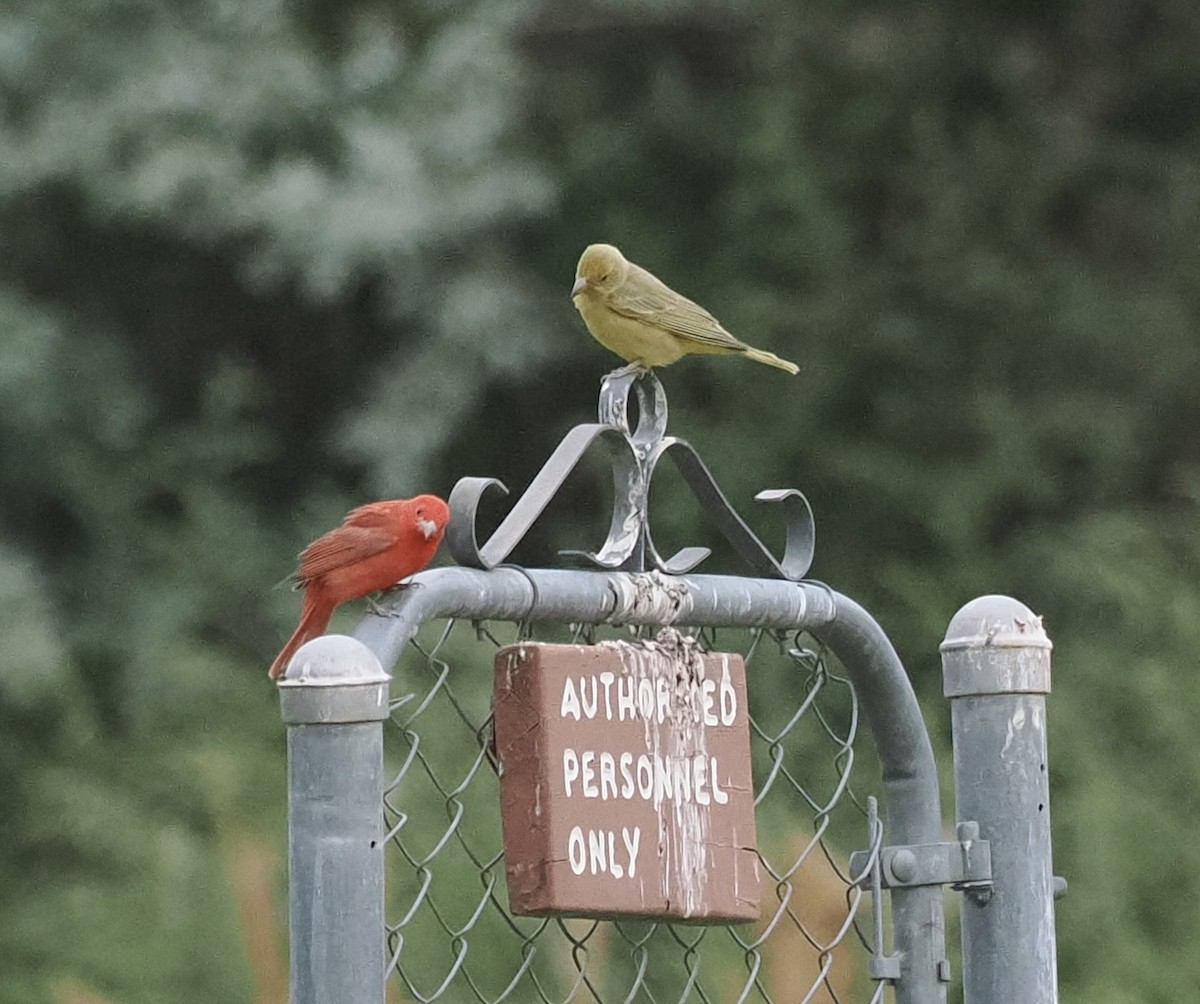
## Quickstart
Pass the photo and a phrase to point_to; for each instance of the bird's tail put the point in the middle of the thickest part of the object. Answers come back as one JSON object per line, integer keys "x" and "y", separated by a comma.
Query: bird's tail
{"x": 770, "y": 359}
{"x": 314, "y": 619}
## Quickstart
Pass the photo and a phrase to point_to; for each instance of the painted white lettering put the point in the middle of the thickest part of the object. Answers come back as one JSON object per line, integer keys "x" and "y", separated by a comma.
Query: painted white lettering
{"x": 627, "y": 783}
{"x": 589, "y": 707}
{"x": 576, "y": 850}
{"x": 663, "y": 783}
{"x": 700, "y": 778}
{"x": 662, "y": 693}
{"x": 719, "y": 796}
{"x": 645, "y": 776}
{"x": 614, "y": 865}
{"x": 588, "y": 774}
{"x": 596, "y": 858}
{"x": 646, "y": 698}
{"x": 681, "y": 767}
{"x": 707, "y": 689}
{"x": 606, "y": 679}
{"x": 608, "y": 775}
{"x": 728, "y": 698}
{"x": 631, "y": 840}
{"x": 626, "y": 704}
{"x": 570, "y": 701}
{"x": 570, "y": 769}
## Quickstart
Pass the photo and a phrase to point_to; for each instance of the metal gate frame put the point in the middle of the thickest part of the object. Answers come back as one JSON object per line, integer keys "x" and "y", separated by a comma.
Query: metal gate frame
{"x": 996, "y": 661}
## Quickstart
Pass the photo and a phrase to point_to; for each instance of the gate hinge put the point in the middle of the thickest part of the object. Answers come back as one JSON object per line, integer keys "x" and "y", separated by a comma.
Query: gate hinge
{"x": 965, "y": 864}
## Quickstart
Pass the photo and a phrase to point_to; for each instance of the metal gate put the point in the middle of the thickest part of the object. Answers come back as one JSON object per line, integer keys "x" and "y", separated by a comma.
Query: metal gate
{"x": 396, "y": 864}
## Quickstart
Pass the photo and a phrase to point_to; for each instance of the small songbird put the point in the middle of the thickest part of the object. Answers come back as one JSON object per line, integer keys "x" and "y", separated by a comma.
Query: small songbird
{"x": 643, "y": 320}
{"x": 376, "y": 546}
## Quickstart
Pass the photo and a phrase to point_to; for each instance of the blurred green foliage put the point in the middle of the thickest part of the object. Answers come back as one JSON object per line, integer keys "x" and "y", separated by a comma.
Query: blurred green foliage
{"x": 262, "y": 262}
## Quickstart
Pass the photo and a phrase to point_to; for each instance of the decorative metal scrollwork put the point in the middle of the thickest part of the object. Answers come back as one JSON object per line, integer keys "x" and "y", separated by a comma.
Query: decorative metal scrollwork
{"x": 634, "y": 452}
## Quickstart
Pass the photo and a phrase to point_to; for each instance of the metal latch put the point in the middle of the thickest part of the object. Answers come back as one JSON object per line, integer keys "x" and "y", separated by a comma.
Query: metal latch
{"x": 965, "y": 864}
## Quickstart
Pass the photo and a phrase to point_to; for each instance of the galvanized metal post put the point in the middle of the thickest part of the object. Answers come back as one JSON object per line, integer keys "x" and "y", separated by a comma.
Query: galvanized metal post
{"x": 996, "y": 673}
{"x": 334, "y": 698}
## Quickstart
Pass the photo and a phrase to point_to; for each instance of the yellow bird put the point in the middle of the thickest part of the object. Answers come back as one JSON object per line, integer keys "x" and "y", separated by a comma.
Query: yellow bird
{"x": 643, "y": 320}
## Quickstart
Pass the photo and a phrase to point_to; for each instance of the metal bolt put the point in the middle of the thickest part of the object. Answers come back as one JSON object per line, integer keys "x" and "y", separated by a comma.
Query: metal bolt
{"x": 943, "y": 971}
{"x": 1060, "y": 887}
{"x": 967, "y": 831}
{"x": 904, "y": 865}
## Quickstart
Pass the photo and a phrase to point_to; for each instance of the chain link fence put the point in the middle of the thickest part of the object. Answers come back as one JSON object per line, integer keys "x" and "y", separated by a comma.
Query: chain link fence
{"x": 396, "y": 881}
{"x": 450, "y": 933}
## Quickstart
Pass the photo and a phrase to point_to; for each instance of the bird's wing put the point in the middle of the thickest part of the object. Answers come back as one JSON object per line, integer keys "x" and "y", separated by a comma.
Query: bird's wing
{"x": 367, "y": 530}
{"x": 645, "y": 298}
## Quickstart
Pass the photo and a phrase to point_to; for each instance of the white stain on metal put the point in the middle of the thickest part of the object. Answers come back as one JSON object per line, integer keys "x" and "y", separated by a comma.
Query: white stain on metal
{"x": 649, "y": 597}
{"x": 1015, "y": 724}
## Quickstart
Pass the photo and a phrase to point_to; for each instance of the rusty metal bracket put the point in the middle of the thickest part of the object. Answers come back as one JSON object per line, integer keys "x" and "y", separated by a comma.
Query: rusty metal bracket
{"x": 634, "y": 452}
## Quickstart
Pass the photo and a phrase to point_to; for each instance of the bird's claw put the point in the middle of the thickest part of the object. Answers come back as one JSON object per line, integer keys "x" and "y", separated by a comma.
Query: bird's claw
{"x": 635, "y": 368}
{"x": 378, "y": 609}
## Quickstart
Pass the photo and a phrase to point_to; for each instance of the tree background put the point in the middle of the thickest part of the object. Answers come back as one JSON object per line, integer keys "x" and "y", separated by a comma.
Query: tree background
{"x": 264, "y": 261}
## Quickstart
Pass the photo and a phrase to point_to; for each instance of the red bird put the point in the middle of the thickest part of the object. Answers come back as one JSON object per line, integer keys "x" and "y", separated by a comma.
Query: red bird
{"x": 376, "y": 546}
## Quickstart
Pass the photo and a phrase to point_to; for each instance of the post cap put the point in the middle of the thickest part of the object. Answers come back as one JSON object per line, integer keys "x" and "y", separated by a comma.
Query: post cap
{"x": 333, "y": 660}
{"x": 995, "y": 622}
{"x": 331, "y": 680}
{"x": 995, "y": 645}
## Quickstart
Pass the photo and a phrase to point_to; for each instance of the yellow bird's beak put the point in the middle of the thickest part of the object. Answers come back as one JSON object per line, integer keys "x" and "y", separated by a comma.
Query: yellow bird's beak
{"x": 579, "y": 287}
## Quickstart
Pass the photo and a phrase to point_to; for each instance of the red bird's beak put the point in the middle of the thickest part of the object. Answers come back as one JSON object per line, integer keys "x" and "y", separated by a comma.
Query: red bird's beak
{"x": 579, "y": 287}
{"x": 427, "y": 527}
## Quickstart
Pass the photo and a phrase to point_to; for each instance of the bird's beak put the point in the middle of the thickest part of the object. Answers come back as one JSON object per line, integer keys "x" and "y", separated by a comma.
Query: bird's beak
{"x": 427, "y": 527}
{"x": 579, "y": 287}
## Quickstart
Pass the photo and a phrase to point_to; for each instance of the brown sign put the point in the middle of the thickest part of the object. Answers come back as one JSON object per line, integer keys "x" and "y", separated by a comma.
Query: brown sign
{"x": 625, "y": 780}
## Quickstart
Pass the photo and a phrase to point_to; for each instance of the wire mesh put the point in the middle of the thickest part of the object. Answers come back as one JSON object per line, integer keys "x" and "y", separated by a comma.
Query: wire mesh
{"x": 450, "y": 933}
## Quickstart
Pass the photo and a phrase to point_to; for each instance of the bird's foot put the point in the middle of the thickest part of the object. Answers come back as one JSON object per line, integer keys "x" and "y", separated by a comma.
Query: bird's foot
{"x": 386, "y": 595}
{"x": 635, "y": 368}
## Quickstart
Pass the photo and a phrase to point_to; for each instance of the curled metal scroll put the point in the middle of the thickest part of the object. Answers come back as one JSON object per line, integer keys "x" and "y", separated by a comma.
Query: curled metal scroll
{"x": 634, "y": 451}
{"x": 627, "y": 519}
